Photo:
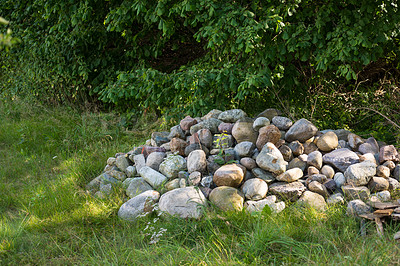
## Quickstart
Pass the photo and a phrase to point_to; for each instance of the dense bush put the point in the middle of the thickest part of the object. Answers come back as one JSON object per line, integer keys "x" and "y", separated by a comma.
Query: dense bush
{"x": 191, "y": 56}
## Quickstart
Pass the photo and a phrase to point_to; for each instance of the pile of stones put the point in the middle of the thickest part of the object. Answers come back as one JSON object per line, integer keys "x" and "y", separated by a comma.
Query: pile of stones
{"x": 233, "y": 162}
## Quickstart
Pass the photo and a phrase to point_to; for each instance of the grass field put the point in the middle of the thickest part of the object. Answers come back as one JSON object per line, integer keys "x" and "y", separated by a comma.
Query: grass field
{"x": 47, "y": 155}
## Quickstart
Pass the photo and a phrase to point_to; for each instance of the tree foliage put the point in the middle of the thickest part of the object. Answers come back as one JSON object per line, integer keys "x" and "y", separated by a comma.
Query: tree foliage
{"x": 190, "y": 55}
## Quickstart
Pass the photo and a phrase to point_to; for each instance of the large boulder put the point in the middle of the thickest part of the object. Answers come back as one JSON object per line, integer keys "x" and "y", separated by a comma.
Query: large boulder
{"x": 266, "y": 134}
{"x": 302, "y": 130}
{"x": 227, "y": 198}
{"x": 183, "y": 202}
{"x": 243, "y": 131}
{"x": 230, "y": 175}
{"x": 340, "y": 159}
{"x": 271, "y": 159}
{"x": 138, "y": 205}
{"x": 255, "y": 189}
{"x": 359, "y": 174}
{"x": 197, "y": 161}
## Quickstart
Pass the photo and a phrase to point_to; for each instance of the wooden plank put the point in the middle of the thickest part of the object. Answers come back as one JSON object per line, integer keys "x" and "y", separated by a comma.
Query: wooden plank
{"x": 383, "y": 213}
{"x": 383, "y": 205}
{"x": 395, "y": 216}
{"x": 379, "y": 226}
{"x": 369, "y": 216}
{"x": 397, "y": 210}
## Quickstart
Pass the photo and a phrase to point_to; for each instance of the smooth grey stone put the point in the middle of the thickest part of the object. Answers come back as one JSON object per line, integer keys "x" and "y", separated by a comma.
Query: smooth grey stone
{"x": 255, "y": 189}
{"x": 152, "y": 177}
{"x": 139, "y": 205}
{"x": 340, "y": 159}
{"x": 264, "y": 175}
{"x": 245, "y": 148}
{"x": 302, "y": 130}
{"x": 183, "y": 202}
{"x": 313, "y": 200}
{"x": 137, "y": 186}
{"x": 260, "y": 122}
{"x": 155, "y": 159}
{"x": 283, "y": 123}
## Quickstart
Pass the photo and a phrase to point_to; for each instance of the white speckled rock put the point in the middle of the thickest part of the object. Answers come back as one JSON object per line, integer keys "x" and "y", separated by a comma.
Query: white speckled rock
{"x": 359, "y": 174}
{"x": 172, "y": 165}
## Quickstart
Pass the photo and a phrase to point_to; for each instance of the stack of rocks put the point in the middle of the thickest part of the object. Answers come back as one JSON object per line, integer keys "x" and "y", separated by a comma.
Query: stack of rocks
{"x": 237, "y": 162}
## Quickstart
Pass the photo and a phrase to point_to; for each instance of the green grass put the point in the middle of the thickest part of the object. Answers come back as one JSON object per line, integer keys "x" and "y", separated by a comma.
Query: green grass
{"x": 47, "y": 155}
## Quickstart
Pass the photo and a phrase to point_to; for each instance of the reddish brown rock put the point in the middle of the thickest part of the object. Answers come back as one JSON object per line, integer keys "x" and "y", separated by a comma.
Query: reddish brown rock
{"x": 178, "y": 145}
{"x": 266, "y": 134}
{"x": 146, "y": 150}
{"x": 225, "y": 128}
{"x": 388, "y": 153}
{"x": 187, "y": 122}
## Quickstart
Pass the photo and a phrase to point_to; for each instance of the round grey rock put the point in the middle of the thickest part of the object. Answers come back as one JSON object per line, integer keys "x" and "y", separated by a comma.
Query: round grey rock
{"x": 185, "y": 202}
{"x": 245, "y": 149}
{"x": 359, "y": 174}
{"x": 255, "y": 189}
{"x": 313, "y": 200}
{"x": 155, "y": 159}
{"x": 315, "y": 159}
{"x": 283, "y": 123}
{"x": 260, "y": 122}
{"x": 340, "y": 159}
{"x": 197, "y": 161}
